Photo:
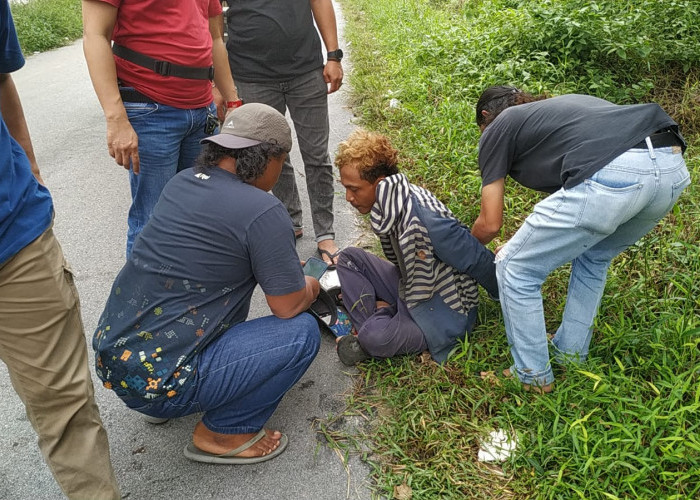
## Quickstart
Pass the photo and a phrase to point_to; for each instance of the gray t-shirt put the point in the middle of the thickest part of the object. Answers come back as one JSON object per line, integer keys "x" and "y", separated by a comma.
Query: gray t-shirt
{"x": 272, "y": 41}
{"x": 562, "y": 141}
{"x": 212, "y": 238}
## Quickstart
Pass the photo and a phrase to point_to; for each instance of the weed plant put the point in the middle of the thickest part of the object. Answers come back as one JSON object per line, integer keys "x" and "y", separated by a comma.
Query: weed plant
{"x": 624, "y": 424}
{"x": 47, "y": 24}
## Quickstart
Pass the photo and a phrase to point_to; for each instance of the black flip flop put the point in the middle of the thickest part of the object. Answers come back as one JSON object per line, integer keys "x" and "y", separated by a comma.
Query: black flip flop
{"x": 321, "y": 252}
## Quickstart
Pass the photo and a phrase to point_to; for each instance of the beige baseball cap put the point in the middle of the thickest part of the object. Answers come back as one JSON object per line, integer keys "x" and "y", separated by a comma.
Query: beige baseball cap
{"x": 252, "y": 124}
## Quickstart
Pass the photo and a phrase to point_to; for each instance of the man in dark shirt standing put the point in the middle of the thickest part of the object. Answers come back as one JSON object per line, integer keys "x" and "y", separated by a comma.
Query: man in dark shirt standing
{"x": 275, "y": 57}
{"x": 613, "y": 172}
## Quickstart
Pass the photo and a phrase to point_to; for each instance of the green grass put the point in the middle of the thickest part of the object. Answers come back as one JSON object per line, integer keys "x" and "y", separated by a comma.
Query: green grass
{"x": 46, "y": 24}
{"x": 625, "y": 423}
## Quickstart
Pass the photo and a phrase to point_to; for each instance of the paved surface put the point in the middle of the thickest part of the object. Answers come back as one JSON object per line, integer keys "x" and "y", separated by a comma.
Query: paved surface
{"x": 91, "y": 198}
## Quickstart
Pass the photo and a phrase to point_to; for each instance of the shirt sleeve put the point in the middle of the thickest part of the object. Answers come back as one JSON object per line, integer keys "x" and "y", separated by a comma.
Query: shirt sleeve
{"x": 496, "y": 150}
{"x": 215, "y": 8}
{"x": 274, "y": 259}
{"x": 11, "y": 58}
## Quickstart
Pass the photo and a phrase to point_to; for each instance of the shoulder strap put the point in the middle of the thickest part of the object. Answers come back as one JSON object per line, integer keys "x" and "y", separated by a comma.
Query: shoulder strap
{"x": 163, "y": 68}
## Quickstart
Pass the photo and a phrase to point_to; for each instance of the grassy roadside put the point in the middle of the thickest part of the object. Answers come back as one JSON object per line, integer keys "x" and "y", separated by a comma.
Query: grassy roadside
{"x": 624, "y": 424}
{"x": 46, "y": 24}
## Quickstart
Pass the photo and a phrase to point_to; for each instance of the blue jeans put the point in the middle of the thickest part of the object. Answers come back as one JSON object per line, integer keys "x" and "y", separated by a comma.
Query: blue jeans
{"x": 587, "y": 225}
{"x": 168, "y": 142}
{"x": 243, "y": 374}
{"x": 306, "y": 97}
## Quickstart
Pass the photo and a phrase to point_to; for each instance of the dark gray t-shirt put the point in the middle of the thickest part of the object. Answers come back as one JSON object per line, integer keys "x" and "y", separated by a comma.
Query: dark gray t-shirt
{"x": 562, "y": 141}
{"x": 272, "y": 41}
{"x": 211, "y": 239}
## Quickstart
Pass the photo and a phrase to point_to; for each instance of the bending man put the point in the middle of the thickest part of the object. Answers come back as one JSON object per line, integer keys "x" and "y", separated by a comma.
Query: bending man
{"x": 613, "y": 172}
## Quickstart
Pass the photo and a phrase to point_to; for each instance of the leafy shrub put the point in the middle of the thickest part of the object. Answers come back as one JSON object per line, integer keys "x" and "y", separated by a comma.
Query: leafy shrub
{"x": 47, "y": 24}
{"x": 624, "y": 424}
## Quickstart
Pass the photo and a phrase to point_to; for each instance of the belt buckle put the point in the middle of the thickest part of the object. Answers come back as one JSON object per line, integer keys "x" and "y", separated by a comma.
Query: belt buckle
{"x": 162, "y": 68}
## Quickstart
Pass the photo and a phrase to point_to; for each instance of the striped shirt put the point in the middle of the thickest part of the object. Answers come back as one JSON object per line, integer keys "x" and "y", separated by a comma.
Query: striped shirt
{"x": 406, "y": 243}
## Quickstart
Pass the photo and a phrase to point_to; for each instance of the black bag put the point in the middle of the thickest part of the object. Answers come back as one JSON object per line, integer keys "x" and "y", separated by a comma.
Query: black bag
{"x": 325, "y": 310}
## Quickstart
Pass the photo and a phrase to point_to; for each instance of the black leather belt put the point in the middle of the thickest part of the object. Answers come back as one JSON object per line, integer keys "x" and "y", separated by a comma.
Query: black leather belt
{"x": 661, "y": 139}
{"x": 132, "y": 95}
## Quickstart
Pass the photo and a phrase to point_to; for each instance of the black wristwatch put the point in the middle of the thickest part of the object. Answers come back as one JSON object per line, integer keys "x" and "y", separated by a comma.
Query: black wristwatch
{"x": 335, "y": 55}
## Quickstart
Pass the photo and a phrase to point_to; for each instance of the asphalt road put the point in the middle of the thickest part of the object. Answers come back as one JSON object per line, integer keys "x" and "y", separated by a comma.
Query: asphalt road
{"x": 91, "y": 199}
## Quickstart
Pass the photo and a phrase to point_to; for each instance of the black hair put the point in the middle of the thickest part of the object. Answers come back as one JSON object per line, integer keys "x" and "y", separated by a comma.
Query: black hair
{"x": 250, "y": 161}
{"x": 497, "y": 98}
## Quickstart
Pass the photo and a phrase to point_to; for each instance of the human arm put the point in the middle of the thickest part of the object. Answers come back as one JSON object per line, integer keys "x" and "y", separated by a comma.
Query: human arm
{"x": 13, "y": 114}
{"x": 225, "y": 88}
{"x": 324, "y": 15}
{"x": 291, "y": 304}
{"x": 490, "y": 219}
{"x": 99, "y": 19}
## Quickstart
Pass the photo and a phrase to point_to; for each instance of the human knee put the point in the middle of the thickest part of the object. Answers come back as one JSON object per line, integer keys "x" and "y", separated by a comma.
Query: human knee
{"x": 376, "y": 342}
{"x": 308, "y": 333}
{"x": 350, "y": 254}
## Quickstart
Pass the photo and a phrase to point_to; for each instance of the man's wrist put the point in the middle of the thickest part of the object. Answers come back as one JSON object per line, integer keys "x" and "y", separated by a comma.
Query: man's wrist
{"x": 335, "y": 55}
{"x": 236, "y": 103}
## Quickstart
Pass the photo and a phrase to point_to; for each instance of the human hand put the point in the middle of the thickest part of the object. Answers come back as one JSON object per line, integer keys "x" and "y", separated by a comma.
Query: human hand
{"x": 333, "y": 74}
{"x": 381, "y": 303}
{"x": 313, "y": 285}
{"x": 220, "y": 104}
{"x": 123, "y": 143}
{"x": 35, "y": 171}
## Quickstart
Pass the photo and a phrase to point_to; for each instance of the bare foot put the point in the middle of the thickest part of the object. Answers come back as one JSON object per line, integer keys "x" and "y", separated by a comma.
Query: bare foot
{"x": 217, "y": 444}
{"x": 328, "y": 250}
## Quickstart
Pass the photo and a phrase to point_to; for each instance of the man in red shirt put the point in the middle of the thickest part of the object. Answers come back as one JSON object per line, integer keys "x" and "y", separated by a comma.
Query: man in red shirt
{"x": 155, "y": 87}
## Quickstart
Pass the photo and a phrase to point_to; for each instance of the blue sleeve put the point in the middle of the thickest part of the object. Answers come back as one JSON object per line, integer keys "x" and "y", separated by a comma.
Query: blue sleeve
{"x": 274, "y": 259}
{"x": 11, "y": 58}
{"x": 454, "y": 244}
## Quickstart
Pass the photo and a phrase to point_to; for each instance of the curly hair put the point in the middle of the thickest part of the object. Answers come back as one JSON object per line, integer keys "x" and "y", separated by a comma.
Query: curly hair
{"x": 499, "y": 97}
{"x": 370, "y": 152}
{"x": 250, "y": 161}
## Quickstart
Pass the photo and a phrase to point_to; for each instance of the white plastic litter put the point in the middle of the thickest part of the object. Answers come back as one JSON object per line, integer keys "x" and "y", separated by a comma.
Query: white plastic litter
{"x": 497, "y": 447}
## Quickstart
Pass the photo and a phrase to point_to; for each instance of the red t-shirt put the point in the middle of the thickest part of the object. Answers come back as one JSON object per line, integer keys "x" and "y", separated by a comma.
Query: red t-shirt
{"x": 176, "y": 31}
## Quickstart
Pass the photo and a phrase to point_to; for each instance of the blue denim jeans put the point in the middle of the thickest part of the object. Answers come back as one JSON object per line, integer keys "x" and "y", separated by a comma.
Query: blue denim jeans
{"x": 306, "y": 97}
{"x": 168, "y": 142}
{"x": 243, "y": 374}
{"x": 586, "y": 225}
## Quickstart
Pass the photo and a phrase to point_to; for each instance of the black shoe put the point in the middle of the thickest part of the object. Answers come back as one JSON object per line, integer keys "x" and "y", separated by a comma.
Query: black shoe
{"x": 350, "y": 351}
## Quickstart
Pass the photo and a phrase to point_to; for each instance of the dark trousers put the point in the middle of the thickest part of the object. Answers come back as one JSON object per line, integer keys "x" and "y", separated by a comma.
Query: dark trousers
{"x": 385, "y": 332}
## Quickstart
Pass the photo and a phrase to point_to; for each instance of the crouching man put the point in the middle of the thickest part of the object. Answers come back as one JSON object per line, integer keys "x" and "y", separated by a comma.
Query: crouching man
{"x": 173, "y": 338}
{"x": 426, "y": 295}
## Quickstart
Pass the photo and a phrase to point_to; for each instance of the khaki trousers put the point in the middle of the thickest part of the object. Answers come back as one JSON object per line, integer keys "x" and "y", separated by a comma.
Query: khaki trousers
{"x": 43, "y": 344}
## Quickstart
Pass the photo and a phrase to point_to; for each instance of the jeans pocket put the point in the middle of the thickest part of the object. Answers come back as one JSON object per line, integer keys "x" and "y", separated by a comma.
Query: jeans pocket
{"x": 135, "y": 110}
{"x": 607, "y": 204}
{"x": 678, "y": 187}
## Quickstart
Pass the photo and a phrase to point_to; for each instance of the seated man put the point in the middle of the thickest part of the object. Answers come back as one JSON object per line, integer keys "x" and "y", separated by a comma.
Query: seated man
{"x": 426, "y": 296}
{"x": 173, "y": 338}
